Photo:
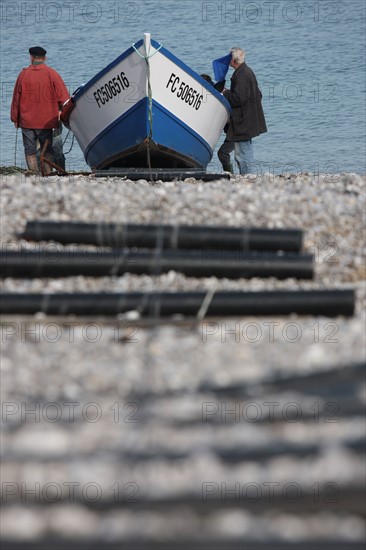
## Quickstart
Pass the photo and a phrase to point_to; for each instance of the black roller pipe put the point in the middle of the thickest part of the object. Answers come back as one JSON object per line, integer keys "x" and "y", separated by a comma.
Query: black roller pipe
{"x": 329, "y": 303}
{"x": 155, "y": 174}
{"x": 186, "y": 543}
{"x": 165, "y": 236}
{"x": 193, "y": 263}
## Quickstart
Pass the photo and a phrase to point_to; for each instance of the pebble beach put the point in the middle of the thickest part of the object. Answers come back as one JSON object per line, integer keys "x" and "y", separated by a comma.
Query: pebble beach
{"x": 159, "y": 430}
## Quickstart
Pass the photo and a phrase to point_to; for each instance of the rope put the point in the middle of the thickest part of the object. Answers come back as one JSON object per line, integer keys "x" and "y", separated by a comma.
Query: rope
{"x": 205, "y": 304}
{"x": 64, "y": 141}
{"x": 147, "y": 56}
{"x": 149, "y": 95}
{"x": 148, "y": 157}
{"x": 148, "y": 139}
{"x": 72, "y": 143}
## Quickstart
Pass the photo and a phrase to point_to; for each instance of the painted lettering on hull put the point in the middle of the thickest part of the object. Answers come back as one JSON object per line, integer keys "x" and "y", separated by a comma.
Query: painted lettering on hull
{"x": 111, "y": 89}
{"x": 186, "y": 93}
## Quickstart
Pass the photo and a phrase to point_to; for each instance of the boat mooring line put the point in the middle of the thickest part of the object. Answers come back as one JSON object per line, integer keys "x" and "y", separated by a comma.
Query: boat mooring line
{"x": 147, "y": 56}
{"x": 72, "y": 143}
{"x": 174, "y": 236}
{"x": 159, "y": 238}
{"x": 119, "y": 233}
{"x": 44, "y": 303}
{"x": 156, "y": 266}
{"x": 150, "y": 102}
{"x": 245, "y": 238}
{"x": 99, "y": 233}
{"x": 206, "y": 304}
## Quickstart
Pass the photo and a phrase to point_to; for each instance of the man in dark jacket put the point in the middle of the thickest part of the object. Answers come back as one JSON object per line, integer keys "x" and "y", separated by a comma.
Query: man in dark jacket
{"x": 247, "y": 119}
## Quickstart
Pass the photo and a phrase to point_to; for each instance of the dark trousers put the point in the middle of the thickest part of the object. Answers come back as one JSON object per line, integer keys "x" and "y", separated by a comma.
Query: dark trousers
{"x": 224, "y": 155}
{"x": 30, "y": 138}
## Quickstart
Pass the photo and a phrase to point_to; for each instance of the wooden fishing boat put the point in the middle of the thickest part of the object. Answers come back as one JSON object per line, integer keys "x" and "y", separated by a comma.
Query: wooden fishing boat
{"x": 147, "y": 109}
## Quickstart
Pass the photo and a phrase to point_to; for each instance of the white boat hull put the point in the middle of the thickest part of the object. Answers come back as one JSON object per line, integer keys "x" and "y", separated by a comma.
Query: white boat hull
{"x": 161, "y": 109}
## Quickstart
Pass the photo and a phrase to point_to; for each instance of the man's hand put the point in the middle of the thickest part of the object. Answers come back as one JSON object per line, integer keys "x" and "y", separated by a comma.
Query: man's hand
{"x": 16, "y": 125}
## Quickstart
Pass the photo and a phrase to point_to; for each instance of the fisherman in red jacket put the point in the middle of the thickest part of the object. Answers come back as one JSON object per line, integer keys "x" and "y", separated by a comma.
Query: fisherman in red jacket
{"x": 38, "y": 96}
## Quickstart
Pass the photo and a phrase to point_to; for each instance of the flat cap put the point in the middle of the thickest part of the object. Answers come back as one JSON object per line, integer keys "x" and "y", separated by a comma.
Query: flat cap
{"x": 37, "y": 51}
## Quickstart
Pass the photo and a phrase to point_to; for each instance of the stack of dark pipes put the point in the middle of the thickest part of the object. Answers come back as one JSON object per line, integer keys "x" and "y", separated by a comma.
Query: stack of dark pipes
{"x": 196, "y": 251}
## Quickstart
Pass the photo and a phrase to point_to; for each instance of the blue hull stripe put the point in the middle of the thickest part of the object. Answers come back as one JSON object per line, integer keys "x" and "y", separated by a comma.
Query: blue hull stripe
{"x": 130, "y": 129}
{"x": 126, "y": 131}
{"x": 171, "y": 132}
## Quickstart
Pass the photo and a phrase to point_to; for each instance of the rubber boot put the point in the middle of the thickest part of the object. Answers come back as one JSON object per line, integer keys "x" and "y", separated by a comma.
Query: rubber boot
{"x": 32, "y": 163}
{"x": 228, "y": 168}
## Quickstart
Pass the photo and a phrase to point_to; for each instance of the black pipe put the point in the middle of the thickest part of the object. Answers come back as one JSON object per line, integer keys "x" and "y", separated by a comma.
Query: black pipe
{"x": 194, "y": 263}
{"x": 282, "y": 302}
{"x": 186, "y": 543}
{"x": 165, "y": 236}
{"x": 155, "y": 174}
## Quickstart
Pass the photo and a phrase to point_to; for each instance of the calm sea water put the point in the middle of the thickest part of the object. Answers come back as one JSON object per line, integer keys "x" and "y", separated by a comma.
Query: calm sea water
{"x": 308, "y": 57}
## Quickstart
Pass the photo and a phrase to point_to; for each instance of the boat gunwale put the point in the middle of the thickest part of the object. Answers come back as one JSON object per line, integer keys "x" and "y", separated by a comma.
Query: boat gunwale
{"x": 209, "y": 87}
{"x": 81, "y": 91}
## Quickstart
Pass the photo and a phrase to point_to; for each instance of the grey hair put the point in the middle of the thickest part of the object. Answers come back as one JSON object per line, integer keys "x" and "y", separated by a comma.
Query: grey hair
{"x": 238, "y": 55}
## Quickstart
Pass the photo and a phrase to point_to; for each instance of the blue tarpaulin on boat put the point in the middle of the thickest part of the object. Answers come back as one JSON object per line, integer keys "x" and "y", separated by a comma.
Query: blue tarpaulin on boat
{"x": 221, "y": 67}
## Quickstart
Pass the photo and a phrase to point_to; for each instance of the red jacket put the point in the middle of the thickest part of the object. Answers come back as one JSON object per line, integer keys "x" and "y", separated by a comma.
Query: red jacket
{"x": 38, "y": 93}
